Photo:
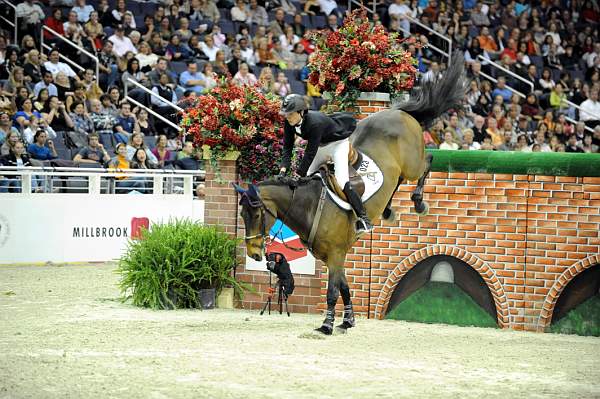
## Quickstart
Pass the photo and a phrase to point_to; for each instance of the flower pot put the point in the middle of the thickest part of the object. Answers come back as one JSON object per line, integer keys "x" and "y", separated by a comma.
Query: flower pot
{"x": 171, "y": 300}
{"x": 225, "y": 299}
{"x": 206, "y": 297}
{"x": 374, "y": 96}
{"x": 229, "y": 155}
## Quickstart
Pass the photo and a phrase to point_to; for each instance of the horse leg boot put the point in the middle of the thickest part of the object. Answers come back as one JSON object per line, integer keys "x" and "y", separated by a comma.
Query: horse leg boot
{"x": 363, "y": 224}
{"x": 332, "y": 295}
{"x": 417, "y": 196}
{"x": 349, "y": 320}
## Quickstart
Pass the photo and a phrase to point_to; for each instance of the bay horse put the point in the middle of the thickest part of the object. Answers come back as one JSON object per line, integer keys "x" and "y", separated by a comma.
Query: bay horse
{"x": 394, "y": 140}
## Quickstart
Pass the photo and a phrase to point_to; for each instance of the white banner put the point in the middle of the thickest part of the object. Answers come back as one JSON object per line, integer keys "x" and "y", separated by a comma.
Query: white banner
{"x": 76, "y": 228}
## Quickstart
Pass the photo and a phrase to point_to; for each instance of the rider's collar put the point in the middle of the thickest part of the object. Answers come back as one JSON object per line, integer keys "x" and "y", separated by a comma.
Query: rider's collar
{"x": 298, "y": 126}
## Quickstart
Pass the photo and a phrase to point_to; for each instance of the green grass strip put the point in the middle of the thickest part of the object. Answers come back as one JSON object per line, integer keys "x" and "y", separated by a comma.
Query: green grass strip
{"x": 442, "y": 303}
{"x": 583, "y": 320}
{"x": 517, "y": 163}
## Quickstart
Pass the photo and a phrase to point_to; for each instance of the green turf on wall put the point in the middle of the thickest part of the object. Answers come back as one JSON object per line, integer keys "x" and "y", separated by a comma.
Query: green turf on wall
{"x": 442, "y": 303}
{"x": 517, "y": 163}
{"x": 583, "y": 320}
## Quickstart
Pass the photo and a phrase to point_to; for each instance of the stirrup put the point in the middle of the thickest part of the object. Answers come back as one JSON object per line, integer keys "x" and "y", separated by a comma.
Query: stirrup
{"x": 363, "y": 225}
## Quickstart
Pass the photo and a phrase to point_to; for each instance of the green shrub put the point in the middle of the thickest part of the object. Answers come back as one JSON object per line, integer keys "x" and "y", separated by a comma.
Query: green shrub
{"x": 172, "y": 261}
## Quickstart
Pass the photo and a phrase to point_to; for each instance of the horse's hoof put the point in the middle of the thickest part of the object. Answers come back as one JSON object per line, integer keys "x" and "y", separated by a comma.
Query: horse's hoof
{"x": 327, "y": 330}
{"x": 423, "y": 209}
{"x": 345, "y": 325}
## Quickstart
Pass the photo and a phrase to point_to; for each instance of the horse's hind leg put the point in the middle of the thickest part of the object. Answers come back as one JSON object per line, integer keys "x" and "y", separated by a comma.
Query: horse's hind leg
{"x": 388, "y": 212}
{"x": 417, "y": 196}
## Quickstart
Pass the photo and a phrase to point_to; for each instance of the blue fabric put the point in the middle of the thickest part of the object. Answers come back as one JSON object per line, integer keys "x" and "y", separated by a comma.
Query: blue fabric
{"x": 24, "y": 115}
{"x": 40, "y": 153}
{"x": 186, "y": 77}
{"x": 127, "y": 123}
{"x": 505, "y": 93}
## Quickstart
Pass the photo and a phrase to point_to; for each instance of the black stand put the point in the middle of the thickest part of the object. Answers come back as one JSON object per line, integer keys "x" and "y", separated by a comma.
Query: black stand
{"x": 281, "y": 298}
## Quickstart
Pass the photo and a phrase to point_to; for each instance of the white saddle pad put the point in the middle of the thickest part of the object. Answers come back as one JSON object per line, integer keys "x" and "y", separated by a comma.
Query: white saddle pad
{"x": 371, "y": 175}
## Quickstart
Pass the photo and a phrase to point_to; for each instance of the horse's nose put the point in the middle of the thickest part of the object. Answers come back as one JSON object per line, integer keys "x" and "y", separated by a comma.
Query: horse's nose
{"x": 256, "y": 257}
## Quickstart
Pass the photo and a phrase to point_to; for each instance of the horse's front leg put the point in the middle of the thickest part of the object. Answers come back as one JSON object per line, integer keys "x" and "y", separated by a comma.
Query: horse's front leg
{"x": 348, "y": 321}
{"x": 333, "y": 292}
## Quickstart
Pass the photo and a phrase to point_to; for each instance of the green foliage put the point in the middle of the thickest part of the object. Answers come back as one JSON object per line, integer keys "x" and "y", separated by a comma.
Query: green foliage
{"x": 519, "y": 163}
{"x": 172, "y": 261}
{"x": 583, "y": 320}
{"x": 442, "y": 303}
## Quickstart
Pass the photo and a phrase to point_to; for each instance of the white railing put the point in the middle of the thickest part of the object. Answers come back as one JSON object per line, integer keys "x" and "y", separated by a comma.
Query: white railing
{"x": 488, "y": 77}
{"x": 150, "y": 111}
{"x": 147, "y": 90}
{"x": 438, "y": 34}
{"x": 95, "y": 181}
{"x": 511, "y": 73}
{"x": 72, "y": 44}
{"x": 573, "y": 121}
{"x": 581, "y": 109}
{"x": 361, "y": 5}
{"x": 14, "y": 23}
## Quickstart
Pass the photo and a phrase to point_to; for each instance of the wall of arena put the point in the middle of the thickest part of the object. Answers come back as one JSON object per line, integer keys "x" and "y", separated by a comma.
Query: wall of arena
{"x": 527, "y": 235}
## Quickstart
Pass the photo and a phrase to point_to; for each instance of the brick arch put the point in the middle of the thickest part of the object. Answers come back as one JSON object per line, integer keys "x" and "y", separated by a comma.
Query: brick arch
{"x": 480, "y": 266}
{"x": 559, "y": 285}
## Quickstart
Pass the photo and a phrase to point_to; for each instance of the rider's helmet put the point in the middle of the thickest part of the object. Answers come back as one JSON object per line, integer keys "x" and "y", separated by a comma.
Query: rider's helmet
{"x": 293, "y": 103}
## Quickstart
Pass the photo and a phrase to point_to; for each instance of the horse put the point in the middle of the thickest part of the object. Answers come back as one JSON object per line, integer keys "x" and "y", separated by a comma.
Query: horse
{"x": 394, "y": 140}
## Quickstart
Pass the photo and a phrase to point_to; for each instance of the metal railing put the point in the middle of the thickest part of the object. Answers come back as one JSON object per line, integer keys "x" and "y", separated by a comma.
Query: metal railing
{"x": 150, "y": 111}
{"x": 361, "y": 5}
{"x": 93, "y": 181}
{"x": 511, "y": 73}
{"x": 438, "y": 34}
{"x": 72, "y": 44}
{"x": 13, "y": 24}
{"x": 581, "y": 109}
{"x": 488, "y": 77}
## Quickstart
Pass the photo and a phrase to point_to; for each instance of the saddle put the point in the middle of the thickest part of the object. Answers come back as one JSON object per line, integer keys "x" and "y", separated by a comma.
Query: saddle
{"x": 356, "y": 182}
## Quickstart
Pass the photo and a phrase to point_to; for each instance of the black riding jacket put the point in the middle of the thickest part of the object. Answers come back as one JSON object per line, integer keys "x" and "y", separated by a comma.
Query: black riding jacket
{"x": 317, "y": 128}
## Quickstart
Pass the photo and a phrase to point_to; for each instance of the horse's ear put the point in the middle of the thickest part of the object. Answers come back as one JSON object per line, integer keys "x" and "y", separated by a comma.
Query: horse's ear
{"x": 253, "y": 191}
{"x": 238, "y": 188}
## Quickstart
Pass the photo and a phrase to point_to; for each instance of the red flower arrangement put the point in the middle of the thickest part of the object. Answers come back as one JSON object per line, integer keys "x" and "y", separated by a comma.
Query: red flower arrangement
{"x": 238, "y": 118}
{"x": 360, "y": 57}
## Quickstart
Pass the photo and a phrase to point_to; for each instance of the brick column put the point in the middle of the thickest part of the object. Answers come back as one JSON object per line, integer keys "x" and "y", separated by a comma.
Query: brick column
{"x": 220, "y": 202}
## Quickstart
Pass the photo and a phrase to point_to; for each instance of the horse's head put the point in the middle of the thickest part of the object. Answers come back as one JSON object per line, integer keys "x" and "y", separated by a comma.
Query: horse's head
{"x": 257, "y": 221}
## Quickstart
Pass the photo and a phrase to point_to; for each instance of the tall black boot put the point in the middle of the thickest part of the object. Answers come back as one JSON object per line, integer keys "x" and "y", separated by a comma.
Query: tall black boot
{"x": 363, "y": 224}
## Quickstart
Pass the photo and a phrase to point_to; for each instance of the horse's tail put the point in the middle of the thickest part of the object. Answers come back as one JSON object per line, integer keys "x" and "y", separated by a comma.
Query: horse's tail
{"x": 434, "y": 97}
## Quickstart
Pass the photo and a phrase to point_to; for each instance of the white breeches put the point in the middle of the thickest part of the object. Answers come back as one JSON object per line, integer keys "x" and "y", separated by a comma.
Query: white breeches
{"x": 338, "y": 152}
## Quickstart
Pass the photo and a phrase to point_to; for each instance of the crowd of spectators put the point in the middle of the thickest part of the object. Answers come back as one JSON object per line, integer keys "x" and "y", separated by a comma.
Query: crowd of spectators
{"x": 533, "y": 71}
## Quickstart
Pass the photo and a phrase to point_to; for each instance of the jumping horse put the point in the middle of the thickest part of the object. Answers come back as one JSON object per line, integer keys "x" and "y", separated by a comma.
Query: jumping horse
{"x": 394, "y": 140}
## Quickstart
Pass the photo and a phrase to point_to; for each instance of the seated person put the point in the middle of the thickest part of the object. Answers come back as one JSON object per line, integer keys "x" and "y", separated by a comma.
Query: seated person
{"x": 17, "y": 158}
{"x": 124, "y": 184}
{"x": 94, "y": 152}
{"x": 187, "y": 159}
{"x": 136, "y": 142}
{"x": 38, "y": 149}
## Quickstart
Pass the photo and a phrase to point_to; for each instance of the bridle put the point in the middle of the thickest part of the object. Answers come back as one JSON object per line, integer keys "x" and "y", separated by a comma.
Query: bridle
{"x": 258, "y": 203}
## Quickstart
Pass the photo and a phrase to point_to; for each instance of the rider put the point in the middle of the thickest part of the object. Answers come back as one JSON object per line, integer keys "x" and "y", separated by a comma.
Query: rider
{"x": 327, "y": 138}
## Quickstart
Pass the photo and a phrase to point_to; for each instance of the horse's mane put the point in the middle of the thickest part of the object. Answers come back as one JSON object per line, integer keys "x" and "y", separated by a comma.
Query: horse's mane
{"x": 289, "y": 181}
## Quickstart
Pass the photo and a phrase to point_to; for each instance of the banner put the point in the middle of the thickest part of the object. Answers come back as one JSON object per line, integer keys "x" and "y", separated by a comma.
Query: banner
{"x": 72, "y": 228}
{"x": 286, "y": 242}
